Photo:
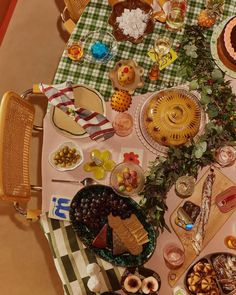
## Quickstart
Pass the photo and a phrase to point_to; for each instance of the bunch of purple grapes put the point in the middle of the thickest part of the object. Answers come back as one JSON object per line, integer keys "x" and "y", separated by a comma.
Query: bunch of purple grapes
{"x": 93, "y": 210}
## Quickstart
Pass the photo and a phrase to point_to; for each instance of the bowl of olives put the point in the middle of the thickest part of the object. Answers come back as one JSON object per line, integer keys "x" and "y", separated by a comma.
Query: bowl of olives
{"x": 66, "y": 157}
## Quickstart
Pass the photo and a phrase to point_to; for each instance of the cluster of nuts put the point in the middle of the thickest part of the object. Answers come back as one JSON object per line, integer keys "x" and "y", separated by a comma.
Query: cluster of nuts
{"x": 201, "y": 280}
{"x": 66, "y": 157}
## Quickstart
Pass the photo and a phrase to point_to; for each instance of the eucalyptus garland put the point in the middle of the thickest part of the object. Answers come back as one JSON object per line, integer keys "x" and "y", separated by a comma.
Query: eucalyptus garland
{"x": 218, "y": 101}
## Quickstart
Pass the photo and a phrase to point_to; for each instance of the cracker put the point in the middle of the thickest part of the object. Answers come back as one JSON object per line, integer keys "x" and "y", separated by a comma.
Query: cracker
{"x": 133, "y": 223}
{"x": 140, "y": 233}
{"x": 118, "y": 245}
{"x": 124, "y": 234}
{"x": 143, "y": 241}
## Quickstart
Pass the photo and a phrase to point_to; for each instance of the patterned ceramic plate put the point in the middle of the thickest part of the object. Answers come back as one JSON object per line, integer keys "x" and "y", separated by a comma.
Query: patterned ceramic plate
{"x": 215, "y": 35}
{"x": 87, "y": 235}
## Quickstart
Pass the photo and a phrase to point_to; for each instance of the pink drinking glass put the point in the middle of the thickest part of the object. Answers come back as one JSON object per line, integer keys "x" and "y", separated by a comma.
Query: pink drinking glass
{"x": 173, "y": 256}
{"x": 123, "y": 124}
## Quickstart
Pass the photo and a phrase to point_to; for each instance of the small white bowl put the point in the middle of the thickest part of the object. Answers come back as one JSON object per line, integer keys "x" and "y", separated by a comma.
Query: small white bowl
{"x": 70, "y": 145}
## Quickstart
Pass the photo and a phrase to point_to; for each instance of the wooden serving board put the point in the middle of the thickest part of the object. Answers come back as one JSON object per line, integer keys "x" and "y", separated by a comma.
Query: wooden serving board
{"x": 215, "y": 222}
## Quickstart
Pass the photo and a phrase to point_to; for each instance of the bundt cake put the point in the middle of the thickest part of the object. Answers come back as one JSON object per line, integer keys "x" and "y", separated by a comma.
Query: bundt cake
{"x": 226, "y": 44}
{"x": 172, "y": 117}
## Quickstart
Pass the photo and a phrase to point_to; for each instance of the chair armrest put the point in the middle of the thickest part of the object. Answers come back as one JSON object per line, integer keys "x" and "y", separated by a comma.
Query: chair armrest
{"x": 68, "y": 23}
{"x": 28, "y": 213}
{"x": 24, "y": 95}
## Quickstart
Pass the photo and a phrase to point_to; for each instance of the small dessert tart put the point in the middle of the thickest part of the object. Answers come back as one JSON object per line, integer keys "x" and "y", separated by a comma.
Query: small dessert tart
{"x": 126, "y": 75}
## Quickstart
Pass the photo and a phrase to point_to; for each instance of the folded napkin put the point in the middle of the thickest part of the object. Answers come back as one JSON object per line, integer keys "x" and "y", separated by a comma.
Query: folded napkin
{"x": 160, "y": 9}
{"x": 61, "y": 96}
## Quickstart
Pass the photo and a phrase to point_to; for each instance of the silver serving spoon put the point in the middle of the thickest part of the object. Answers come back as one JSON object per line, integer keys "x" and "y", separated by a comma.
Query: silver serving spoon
{"x": 85, "y": 182}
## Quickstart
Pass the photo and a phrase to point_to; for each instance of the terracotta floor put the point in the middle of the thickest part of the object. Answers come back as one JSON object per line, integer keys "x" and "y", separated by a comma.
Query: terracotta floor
{"x": 29, "y": 54}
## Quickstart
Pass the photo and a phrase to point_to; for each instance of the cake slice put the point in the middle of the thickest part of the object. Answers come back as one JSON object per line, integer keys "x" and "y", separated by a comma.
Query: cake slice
{"x": 100, "y": 240}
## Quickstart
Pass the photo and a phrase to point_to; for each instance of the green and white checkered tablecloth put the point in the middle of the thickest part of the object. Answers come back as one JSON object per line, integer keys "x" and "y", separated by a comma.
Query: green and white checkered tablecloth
{"x": 95, "y": 75}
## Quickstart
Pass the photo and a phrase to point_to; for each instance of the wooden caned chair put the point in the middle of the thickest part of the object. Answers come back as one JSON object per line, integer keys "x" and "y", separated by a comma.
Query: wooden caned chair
{"x": 16, "y": 126}
{"x": 72, "y": 12}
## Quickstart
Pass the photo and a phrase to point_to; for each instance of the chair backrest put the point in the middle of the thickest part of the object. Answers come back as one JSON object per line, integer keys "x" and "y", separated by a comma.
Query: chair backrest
{"x": 76, "y": 8}
{"x": 16, "y": 124}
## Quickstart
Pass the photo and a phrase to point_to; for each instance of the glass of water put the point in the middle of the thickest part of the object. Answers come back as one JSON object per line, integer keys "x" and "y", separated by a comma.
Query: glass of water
{"x": 176, "y": 15}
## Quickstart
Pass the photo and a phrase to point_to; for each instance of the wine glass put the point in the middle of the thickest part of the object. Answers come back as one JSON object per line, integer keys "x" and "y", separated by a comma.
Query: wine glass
{"x": 162, "y": 46}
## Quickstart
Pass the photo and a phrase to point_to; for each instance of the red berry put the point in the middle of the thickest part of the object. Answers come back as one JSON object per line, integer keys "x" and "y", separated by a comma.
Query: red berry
{"x": 210, "y": 82}
{"x": 126, "y": 70}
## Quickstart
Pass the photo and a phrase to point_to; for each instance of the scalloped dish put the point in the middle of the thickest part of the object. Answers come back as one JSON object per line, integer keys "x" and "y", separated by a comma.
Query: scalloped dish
{"x": 127, "y": 75}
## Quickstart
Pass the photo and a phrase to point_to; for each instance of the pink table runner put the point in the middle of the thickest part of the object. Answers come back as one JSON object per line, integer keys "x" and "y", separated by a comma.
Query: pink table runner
{"x": 52, "y": 138}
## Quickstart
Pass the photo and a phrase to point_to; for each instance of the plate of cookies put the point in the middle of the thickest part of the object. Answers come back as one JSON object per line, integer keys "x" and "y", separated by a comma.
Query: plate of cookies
{"x": 112, "y": 226}
{"x": 212, "y": 274}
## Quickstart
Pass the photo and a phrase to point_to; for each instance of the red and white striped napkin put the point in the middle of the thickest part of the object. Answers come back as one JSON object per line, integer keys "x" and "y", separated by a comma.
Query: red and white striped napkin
{"x": 95, "y": 124}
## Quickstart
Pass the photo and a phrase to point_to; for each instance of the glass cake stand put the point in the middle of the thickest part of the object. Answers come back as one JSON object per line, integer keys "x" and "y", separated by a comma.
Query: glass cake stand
{"x": 140, "y": 128}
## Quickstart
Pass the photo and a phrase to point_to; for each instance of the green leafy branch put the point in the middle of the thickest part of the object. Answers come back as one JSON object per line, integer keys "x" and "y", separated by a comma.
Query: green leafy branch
{"x": 218, "y": 101}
